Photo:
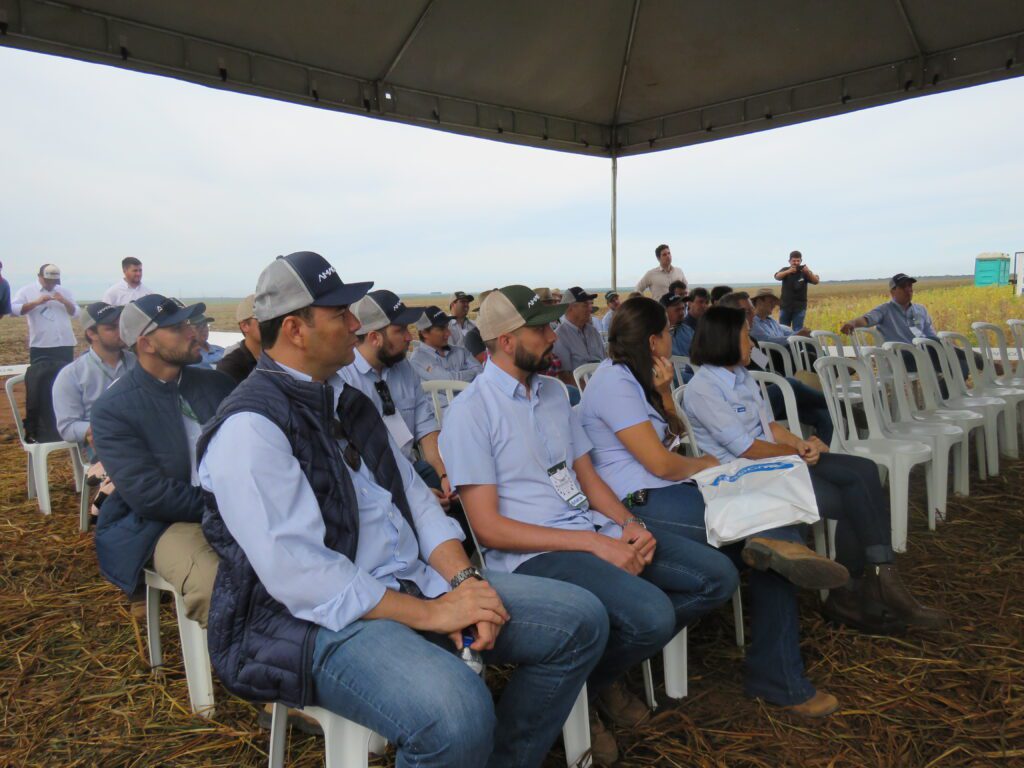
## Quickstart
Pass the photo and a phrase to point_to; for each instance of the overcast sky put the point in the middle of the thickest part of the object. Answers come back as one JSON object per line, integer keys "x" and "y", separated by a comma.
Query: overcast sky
{"x": 206, "y": 187}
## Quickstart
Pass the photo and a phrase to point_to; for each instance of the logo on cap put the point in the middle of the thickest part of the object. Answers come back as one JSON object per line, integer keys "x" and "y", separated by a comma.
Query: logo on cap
{"x": 325, "y": 274}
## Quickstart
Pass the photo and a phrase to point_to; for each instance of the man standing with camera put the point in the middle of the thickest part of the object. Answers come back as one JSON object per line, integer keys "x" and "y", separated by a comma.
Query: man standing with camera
{"x": 794, "y": 280}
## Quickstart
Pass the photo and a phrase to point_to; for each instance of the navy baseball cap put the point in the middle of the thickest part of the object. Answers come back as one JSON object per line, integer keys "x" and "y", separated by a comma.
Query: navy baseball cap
{"x": 154, "y": 311}
{"x": 302, "y": 279}
{"x": 671, "y": 299}
{"x": 379, "y": 309}
{"x": 578, "y": 294}
{"x": 99, "y": 313}
{"x": 898, "y": 278}
{"x": 433, "y": 317}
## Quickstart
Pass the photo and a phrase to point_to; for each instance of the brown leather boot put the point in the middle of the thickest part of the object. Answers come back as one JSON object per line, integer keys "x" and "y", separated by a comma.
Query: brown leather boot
{"x": 795, "y": 562}
{"x": 603, "y": 748}
{"x": 821, "y": 704}
{"x": 849, "y": 607}
{"x": 882, "y": 583}
{"x": 620, "y": 706}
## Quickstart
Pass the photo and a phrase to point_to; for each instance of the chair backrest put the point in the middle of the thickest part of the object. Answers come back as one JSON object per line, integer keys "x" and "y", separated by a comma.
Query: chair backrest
{"x": 865, "y": 337}
{"x": 805, "y": 349}
{"x": 679, "y": 365}
{"x": 952, "y": 341}
{"x": 837, "y": 376}
{"x": 926, "y": 376}
{"x": 560, "y": 383}
{"x": 1017, "y": 332}
{"x": 777, "y": 352}
{"x": 763, "y": 379}
{"x": 690, "y": 440}
{"x": 9, "y": 387}
{"x": 827, "y": 339}
{"x": 583, "y": 373}
{"x": 950, "y": 373}
{"x": 891, "y": 382}
{"x": 441, "y": 393}
{"x": 991, "y": 340}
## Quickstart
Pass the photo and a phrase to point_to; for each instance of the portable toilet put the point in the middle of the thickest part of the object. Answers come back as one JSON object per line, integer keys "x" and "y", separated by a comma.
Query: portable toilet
{"x": 992, "y": 269}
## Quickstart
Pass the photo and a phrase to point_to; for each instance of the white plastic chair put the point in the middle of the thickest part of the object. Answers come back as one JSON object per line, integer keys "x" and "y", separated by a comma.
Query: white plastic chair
{"x": 679, "y": 365}
{"x": 992, "y": 408}
{"x": 194, "y": 652}
{"x": 83, "y": 499}
{"x": 896, "y": 457}
{"x": 692, "y": 448}
{"x": 804, "y": 349}
{"x": 777, "y": 352}
{"x": 984, "y": 385}
{"x": 907, "y": 410}
{"x": 39, "y": 453}
{"x": 992, "y": 343}
{"x": 941, "y": 436}
{"x": 559, "y": 382}
{"x": 583, "y": 373}
{"x": 441, "y": 393}
{"x": 1017, "y": 334}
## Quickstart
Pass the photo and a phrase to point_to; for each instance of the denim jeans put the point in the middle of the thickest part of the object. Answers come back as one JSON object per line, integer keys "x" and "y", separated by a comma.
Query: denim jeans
{"x": 412, "y": 689}
{"x": 684, "y": 581}
{"x": 847, "y": 490}
{"x": 773, "y": 669}
{"x": 811, "y": 407}
{"x": 794, "y": 318}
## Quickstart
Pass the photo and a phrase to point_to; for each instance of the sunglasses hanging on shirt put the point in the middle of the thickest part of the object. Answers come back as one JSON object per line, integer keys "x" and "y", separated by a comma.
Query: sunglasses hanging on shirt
{"x": 387, "y": 402}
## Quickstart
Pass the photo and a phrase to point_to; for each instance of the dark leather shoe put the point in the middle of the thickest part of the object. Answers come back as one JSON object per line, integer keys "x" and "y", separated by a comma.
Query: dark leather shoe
{"x": 847, "y": 607}
{"x": 882, "y": 584}
{"x": 795, "y": 562}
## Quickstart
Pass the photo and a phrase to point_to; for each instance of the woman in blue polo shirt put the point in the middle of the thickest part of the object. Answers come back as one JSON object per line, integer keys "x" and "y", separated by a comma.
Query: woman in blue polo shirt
{"x": 628, "y": 414}
{"x": 730, "y": 420}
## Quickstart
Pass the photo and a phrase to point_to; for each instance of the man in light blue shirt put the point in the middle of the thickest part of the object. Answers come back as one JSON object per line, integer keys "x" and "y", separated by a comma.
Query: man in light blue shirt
{"x": 348, "y": 573}
{"x": 382, "y": 373}
{"x": 578, "y": 342}
{"x": 81, "y": 383}
{"x": 520, "y": 460}
{"x": 763, "y": 326}
{"x": 437, "y": 360}
{"x": 612, "y": 298}
{"x": 210, "y": 354}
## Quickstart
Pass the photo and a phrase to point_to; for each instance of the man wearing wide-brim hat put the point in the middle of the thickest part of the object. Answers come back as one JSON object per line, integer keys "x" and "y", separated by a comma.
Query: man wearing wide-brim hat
{"x": 767, "y": 328}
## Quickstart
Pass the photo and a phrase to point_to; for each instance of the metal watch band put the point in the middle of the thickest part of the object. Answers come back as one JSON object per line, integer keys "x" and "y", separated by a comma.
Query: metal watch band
{"x": 636, "y": 520}
{"x": 466, "y": 573}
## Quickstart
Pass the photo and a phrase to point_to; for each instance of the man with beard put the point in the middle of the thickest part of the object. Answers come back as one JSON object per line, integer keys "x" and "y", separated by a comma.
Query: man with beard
{"x": 79, "y": 385}
{"x": 521, "y": 463}
{"x": 435, "y": 359}
{"x": 381, "y": 372}
{"x": 145, "y": 427}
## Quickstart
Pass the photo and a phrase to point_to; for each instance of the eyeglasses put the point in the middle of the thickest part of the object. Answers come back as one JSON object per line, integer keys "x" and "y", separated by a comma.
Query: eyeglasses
{"x": 386, "y": 401}
{"x": 166, "y": 306}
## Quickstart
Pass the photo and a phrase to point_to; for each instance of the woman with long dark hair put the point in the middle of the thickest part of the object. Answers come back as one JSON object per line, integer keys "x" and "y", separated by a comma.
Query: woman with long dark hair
{"x": 628, "y": 414}
{"x": 730, "y": 420}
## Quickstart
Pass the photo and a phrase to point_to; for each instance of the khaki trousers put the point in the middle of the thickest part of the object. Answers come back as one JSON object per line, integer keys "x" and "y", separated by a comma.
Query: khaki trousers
{"x": 185, "y": 559}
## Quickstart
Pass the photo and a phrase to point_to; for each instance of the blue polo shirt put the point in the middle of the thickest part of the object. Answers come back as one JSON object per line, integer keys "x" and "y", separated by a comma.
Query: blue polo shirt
{"x": 726, "y": 411}
{"x": 898, "y": 324}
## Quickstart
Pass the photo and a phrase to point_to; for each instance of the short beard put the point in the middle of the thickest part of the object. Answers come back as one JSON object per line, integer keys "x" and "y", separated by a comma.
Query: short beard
{"x": 524, "y": 361}
{"x": 185, "y": 358}
{"x": 389, "y": 359}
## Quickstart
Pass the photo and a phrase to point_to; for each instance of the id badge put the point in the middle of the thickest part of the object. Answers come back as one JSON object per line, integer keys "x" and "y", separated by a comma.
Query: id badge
{"x": 399, "y": 430}
{"x": 916, "y": 332}
{"x": 566, "y": 487}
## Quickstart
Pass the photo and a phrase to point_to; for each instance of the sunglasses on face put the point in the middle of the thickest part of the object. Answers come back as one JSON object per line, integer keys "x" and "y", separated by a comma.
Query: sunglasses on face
{"x": 387, "y": 402}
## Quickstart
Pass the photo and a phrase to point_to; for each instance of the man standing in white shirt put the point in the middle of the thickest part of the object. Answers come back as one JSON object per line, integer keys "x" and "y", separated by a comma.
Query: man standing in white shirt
{"x": 663, "y": 275}
{"x": 130, "y": 287}
{"x": 49, "y": 308}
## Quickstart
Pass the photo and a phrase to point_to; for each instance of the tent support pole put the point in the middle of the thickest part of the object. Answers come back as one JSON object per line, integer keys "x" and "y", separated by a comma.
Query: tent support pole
{"x": 615, "y": 235}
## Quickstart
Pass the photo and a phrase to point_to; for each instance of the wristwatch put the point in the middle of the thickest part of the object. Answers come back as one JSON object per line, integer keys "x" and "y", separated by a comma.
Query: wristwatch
{"x": 466, "y": 573}
{"x": 636, "y": 520}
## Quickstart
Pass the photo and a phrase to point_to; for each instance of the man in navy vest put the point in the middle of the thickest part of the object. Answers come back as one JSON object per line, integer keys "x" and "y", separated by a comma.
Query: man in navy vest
{"x": 343, "y": 584}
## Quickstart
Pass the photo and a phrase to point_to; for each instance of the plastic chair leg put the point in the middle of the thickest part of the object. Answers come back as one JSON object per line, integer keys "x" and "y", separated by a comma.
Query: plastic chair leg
{"x": 40, "y": 470}
{"x": 1008, "y": 435}
{"x": 83, "y": 505}
{"x": 652, "y": 700}
{"x": 932, "y": 482}
{"x": 31, "y": 492}
{"x": 156, "y": 655}
{"x": 278, "y": 735}
{"x": 576, "y": 733}
{"x": 992, "y": 419}
{"x": 77, "y": 468}
{"x": 196, "y": 655}
{"x": 899, "y": 486}
{"x": 346, "y": 744}
{"x": 979, "y": 452}
{"x": 737, "y": 618}
{"x": 674, "y": 655}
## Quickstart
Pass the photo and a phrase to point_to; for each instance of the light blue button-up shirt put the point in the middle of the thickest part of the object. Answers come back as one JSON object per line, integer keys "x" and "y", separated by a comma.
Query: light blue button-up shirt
{"x": 404, "y": 385}
{"x": 270, "y": 509}
{"x": 458, "y": 332}
{"x": 455, "y": 364}
{"x": 898, "y": 324}
{"x": 78, "y": 386}
{"x": 726, "y": 411}
{"x": 613, "y": 401}
{"x": 770, "y": 329}
{"x": 575, "y": 347}
{"x": 495, "y": 435}
{"x": 682, "y": 337}
{"x": 209, "y": 357}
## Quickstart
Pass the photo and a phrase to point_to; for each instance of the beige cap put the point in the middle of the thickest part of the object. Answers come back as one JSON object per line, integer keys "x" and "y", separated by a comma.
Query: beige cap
{"x": 50, "y": 272}
{"x": 246, "y": 308}
{"x": 544, "y": 293}
{"x": 765, "y": 293}
{"x": 512, "y": 307}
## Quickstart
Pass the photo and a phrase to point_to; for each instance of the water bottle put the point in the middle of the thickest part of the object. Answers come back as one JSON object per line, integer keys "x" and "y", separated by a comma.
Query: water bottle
{"x": 472, "y": 658}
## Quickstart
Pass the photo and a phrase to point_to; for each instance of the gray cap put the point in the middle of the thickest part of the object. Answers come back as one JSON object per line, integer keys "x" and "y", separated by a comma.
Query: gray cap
{"x": 145, "y": 315}
{"x": 302, "y": 279}
{"x": 379, "y": 309}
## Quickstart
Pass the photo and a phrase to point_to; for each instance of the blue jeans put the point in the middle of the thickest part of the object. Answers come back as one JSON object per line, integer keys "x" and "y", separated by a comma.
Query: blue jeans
{"x": 794, "y": 318}
{"x": 412, "y": 689}
{"x": 684, "y": 581}
{"x": 773, "y": 668}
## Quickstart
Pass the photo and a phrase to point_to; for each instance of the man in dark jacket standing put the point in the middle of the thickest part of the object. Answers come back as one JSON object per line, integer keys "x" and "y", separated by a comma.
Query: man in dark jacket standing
{"x": 145, "y": 427}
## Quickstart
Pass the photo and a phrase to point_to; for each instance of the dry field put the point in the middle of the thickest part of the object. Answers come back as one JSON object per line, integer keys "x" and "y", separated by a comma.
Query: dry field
{"x": 75, "y": 689}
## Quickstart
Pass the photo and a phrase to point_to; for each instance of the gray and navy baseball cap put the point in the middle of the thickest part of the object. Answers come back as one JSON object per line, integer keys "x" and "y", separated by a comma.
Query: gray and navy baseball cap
{"x": 433, "y": 317}
{"x": 512, "y": 307}
{"x": 898, "y": 278}
{"x": 99, "y": 313}
{"x": 379, "y": 309}
{"x": 145, "y": 315}
{"x": 302, "y": 279}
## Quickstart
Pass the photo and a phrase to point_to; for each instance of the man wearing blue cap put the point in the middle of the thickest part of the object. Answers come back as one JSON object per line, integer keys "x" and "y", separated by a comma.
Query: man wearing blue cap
{"x": 145, "y": 427}
{"x": 342, "y": 583}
